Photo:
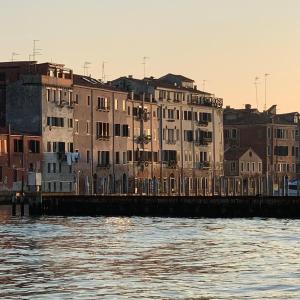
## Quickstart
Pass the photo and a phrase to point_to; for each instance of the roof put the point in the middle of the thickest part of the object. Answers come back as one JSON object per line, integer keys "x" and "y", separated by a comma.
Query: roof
{"x": 159, "y": 83}
{"x": 179, "y": 77}
{"x": 253, "y": 116}
{"x": 235, "y": 153}
{"x": 82, "y": 80}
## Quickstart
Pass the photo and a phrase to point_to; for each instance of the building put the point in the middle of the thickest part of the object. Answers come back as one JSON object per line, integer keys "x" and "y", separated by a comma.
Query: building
{"x": 116, "y": 138}
{"x": 20, "y": 157}
{"x": 38, "y": 101}
{"x": 243, "y": 172}
{"x": 190, "y": 131}
{"x": 274, "y": 137}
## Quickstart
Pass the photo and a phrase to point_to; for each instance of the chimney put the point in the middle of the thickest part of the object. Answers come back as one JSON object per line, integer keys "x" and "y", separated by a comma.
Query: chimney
{"x": 195, "y": 87}
{"x": 248, "y": 106}
{"x": 130, "y": 76}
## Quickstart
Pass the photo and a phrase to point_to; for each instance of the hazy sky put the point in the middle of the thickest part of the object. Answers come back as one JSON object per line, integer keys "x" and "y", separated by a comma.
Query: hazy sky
{"x": 226, "y": 42}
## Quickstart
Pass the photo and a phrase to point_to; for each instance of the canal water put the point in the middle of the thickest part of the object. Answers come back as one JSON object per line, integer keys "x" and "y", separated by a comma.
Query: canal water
{"x": 148, "y": 258}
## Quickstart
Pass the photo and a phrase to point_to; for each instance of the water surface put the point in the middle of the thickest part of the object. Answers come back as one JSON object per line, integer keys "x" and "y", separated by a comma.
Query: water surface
{"x": 148, "y": 258}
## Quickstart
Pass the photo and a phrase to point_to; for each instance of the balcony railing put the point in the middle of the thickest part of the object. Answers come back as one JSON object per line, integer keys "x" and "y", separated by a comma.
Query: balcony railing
{"x": 172, "y": 164}
{"x": 202, "y": 123}
{"x": 171, "y": 142}
{"x": 103, "y": 137}
{"x": 103, "y": 166}
{"x": 203, "y": 165}
{"x": 143, "y": 115}
{"x": 103, "y": 108}
{"x": 144, "y": 139}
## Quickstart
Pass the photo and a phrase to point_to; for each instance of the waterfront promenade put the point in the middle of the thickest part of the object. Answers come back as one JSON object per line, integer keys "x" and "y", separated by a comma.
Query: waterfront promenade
{"x": 161, "y": 206}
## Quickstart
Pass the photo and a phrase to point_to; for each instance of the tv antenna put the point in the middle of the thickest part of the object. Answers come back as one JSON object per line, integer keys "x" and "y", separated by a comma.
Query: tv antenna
{"x": 13, "y": 55}
{"x": 256, "y": 83}
{"x": 103, "y": 71}
{"x": 35, "y": 50}
{"x": 203, "y": 84}
{"x": 266, "y": 76}
{"x": 145, "y": 58}
{"x": 86, "y": 68}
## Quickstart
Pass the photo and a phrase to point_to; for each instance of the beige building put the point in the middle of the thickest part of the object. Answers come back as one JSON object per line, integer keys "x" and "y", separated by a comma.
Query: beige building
{"x": 190, "y": 133}
{"x": 243, "y": 172}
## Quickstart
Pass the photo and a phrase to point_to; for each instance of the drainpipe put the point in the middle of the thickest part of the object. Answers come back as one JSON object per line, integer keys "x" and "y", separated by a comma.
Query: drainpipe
{"x": 113, "y": 144}
{"x": 92, "y": 142}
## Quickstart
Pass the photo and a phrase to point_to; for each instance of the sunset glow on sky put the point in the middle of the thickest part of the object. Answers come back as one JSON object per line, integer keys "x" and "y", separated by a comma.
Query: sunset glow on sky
{"x": 225, "y": 42}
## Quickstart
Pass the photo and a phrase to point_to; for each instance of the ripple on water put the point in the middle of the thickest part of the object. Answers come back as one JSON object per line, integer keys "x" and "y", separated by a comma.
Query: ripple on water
{"x": 149, "y": 258}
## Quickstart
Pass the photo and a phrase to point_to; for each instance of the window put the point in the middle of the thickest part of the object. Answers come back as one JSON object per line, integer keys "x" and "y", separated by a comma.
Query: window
{"x": 169, "y": 155}
{"x": 281, "y": 133}
{"x": 117, "y": 158}
{"x": 116, "y": 104}
{"x": 124, "y": 105}
{"x": 102, "y": 103}
{"x": 259, "y": 167}
{"x": 171, "y": 114}
{"x": 88, "y": 100}
{"x": 87, "y": 127}
{"x": 70, "y": 123}
{"x": 129, "y": 155}
{"x": 124, "y": 157}
{"x": 34, "y": 146}
{"x": 48, "y": 95}
{"x": 76, "y": 99}
{"x": 102, "y": 130}
{"x": 117, "y": 130}
{"x": 253, "y": 167}
{"x": 125, "y": 130}
{"x": 49, "y": 167}
{"x": 128, "y": 110}
{"x": 54, "y": 167}
{"x": 76, "y": 126}
{"x": 248, "y": 167}
{"x": 242, "y": 167}
{"x": 269, "y": 132}
{"x": 70, "y": 147}
{"x": 103, "y": 158}
{"x": 54, "y": 121}
{"x": 281, "y": 150}
{"x": 188, "y": 135}
{"x": 18, "y": 146}
{"x": 232, "y": 166}
{"x": 3, "y": 146}
{"x": 88, "y": 156}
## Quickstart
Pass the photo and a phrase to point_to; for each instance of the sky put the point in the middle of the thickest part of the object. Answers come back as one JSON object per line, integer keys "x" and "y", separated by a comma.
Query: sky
{"x": 225, "y": 42}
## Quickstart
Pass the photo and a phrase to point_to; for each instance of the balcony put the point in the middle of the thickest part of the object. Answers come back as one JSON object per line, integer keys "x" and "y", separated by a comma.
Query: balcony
{"x": 207, "y": 139}
{"x": 103, "y": 137}
{"x": 61, "y": 156}
{"x": 144, "y": 139}
{"x": 171, "y": 142}
{"x": 143, "y": 115}
{"x": 103, "y": 108}
{"x": 203, "y": 165}
{"x": 202, "y": 123}
{"x": 103, "y": 166}
{"x": 143, "y": 163}
{"x": 171, "y": 164}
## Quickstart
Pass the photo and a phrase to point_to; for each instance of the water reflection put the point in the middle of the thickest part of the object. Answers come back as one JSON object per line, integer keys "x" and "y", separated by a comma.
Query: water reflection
{"x": 148, "y": 258}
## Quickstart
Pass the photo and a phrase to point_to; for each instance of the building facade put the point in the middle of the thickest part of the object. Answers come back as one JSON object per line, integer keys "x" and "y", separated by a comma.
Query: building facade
{"x": 243, "y": 172}
{"x": 274, "y": 137}
{"x": 190, "y": 133}
{"x": 20, "y": 157}
{"x": 38, "y": 100}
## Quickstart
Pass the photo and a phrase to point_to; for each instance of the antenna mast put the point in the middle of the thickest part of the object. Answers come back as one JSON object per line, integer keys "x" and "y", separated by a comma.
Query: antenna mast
{"x": 266, "y": 76}
{"x": 13, "y": 55}
{"x": 103, "y": 71}
{"x": 145, "y": 58}
{"x": 35, "y": 50}
{"x": 256, "y": 82}
{"x": 86, "y": 68}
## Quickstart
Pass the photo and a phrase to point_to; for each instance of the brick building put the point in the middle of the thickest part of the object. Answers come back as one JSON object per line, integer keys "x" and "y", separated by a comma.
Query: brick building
{"x": 19, "y": 156}
{"x": 274, "y": 137}
{"x": 38, "y": 101}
